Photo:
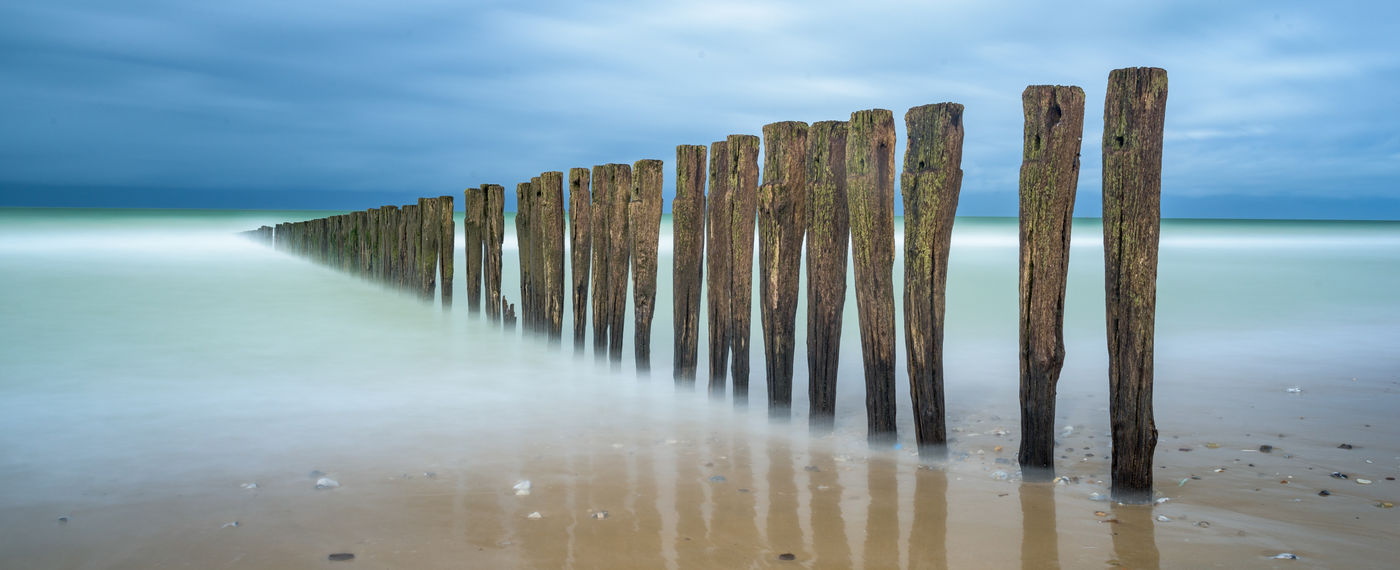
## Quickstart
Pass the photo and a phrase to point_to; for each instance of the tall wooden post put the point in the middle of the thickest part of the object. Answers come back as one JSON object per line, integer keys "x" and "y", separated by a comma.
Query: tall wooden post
{"x": 870, "y": 199}
{"x": 473, "y": 230}
{"x": 413, "y": 244}
{"x": 580, "y": 243}
{"x": 719, "y": 259}
{"x": 782, "y": 220}
{"x": 828, "y": 240}
{"x": 602, "y": 316}
{"x": 1054, "y": 118}
{"x": 688, "y": 237}
{"x": 428, "y": 227}
{"x": 930, "y": 184}
{"x": 644, "y": 231}
{"x": 1134, "y": 114}
{"x": 495, "y": 232}
{"x": 619, "y": 258}
{"x": 524, "y": 195}
{"x": 447, "y": 245}
{"x": 535, "y": 315}
{"x": 743, "y": 188}
{"x": 551, "y": 230}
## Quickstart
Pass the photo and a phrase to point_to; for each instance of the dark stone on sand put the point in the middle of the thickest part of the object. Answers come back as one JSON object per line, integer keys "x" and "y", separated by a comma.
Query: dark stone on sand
{"x": 1345, "y": 446}
{"x": 1266, "y": 449}
{"x": 341, "y": 557}
{"x": 1324, "y": 493}
{"x": 787, "y": 556}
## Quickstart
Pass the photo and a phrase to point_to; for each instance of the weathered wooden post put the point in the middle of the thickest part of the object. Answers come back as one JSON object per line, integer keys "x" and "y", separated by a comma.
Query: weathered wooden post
{"x": 447, "y": 247}
{"x": 551, "y": 231}
{"x": 524, "y": 195}
{"x": 930, "y": 185}
{"x": 870, "y": 200}
{"x": 580, "y": 243}
{"x": 743, "y": 188}
{"x": 535, "y": 316}
{"x": 473, "y": 232}
{"x": 495, "y": 235}
{"x": 719, "y": 260}
{"x": 507, "y": 315}
{"x": 602, "y": 316}
{"x": 782, "y": 221}
{"x": 619, "y": 257}
{"x": 688, "y": 268}
{"x": 430, "y": 226}
{"x": 1054, "y": 118}
{"x": 644, "y": 231}
{"x": 412, "y": 240}
{"x": 1133, "y": 117}
{"x": 828, "y": 238}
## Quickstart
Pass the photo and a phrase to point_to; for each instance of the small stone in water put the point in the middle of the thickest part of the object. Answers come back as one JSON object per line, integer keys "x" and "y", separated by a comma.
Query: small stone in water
{"x": 787, "y": 556}
{"x": 1163, "y": 518}
{"x": 717, "y": 479}
{"x": 1286, "y": 556}
{"x": 1360, "y": 481}
{"x": 1098, "y": 497}
{"x": 534, "y": 516}
{"x": 1344, "y": 446}
{"x": 1385, "y": 505}
{"x": 341, "y": 557}
{"x": 1100, "y": 514}
{"x": 1324, "y": 493}
{"x": 1339, "y": 475}
{"x": 1266, "y": 448}
{"x": 1212, "y": 446}
{"x": 1203, "y": 524}
{"x": 522, "y": 487}
{"x": 233, "y": 524}
{"x": 327, "y": 483}
{"x": 600, "y": 515}
{"x": 1000, "y": 475}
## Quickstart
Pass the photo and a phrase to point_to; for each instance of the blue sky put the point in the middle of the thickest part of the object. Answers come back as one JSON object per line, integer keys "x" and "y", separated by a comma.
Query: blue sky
{"x": 1278, "y": 109}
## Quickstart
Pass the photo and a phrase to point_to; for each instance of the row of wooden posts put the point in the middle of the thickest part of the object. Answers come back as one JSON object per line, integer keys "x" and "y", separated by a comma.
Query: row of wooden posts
{"x": 829, "y": 184}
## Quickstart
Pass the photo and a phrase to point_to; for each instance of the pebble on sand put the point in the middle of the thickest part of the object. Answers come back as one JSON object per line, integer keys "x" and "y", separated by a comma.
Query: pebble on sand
{"x": 341, "y": 557}
{"x": 787, "y": 556}
{"x": 327, "y": 483}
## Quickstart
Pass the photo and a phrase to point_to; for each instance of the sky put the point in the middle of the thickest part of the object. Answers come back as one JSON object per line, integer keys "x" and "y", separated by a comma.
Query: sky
{"x": 1275, "y": 109}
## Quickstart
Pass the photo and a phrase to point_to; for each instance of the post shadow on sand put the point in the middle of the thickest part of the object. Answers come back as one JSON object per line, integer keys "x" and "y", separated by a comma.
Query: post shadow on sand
{"x": 1040, "y": 539}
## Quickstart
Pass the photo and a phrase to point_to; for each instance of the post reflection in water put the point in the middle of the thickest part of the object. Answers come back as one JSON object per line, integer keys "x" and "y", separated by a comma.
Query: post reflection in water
{"x": 928, "y": 539}
{"x": 829, "y": 543}
{"x": 645, "y": 541}
{"x": 1040, "y": 540}
{"x": 784, "y": 530}
{"x": 692, "y": 509}
{"x": 1135, "y": 537}
{"x": 882, "y": 517}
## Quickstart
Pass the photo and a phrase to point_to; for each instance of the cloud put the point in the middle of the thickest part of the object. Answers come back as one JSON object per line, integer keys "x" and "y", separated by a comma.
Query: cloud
{"x": 427, "y": 97}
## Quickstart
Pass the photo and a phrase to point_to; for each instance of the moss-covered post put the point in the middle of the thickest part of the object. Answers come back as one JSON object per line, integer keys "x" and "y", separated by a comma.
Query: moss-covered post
{"x": 551, "y": 231}
{"x": 413, "y": 247}
{"x": 619, "y": 258}
{"x": 1054, "y": 119}
{"x": 644, "y": 232}
{"x": 1133, "y": 117}
{"x": 495, "y": 235}
{"x": 371, "y": 253}
{"x": 535, "y": 316}
{"x": 688, "y": 268}
{"x": 930, "y": 185}
{"x": 428, "y": 235}
{"x": 524, "y": 194}
{"x": 602, "y": 317}
{"x": 743, "y": 188}
{"x": 473, "y": 232}
{"x": 719, "y": 260}
{"x": 828, "y": 242}
{"x": 388, "y": 238}
{"x": 782, "y": 220}
{"x": 870, "y": 199}
{"x": 580, "y": 244}
{"x": 447, "y": 248}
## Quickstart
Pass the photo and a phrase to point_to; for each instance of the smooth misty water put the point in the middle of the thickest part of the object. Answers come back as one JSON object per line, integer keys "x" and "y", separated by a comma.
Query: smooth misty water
{"x": 152, "y": 355}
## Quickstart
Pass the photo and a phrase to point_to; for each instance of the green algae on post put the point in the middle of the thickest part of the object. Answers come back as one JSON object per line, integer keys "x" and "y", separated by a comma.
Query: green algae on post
{"x": 719, "y": 260}
{"x": 782, "y": 204}
{"x": 473, "y": 230}
{"x": 688, "y": 269}
{"x": 1134, "y": 114}
{"x": 602, "y": 186}
{"x": 743, "y": 207}
{"x": 447, "y": 243}
{"x": 1054, "y": 126}
{"x": 524, "y": 194}
{"x": 495, "y": 234}
{"x": 870, "y": 200}
{"x": 619, "y": 257}
{"x": 828, "y": 239}
{"x": 930, "y": 185}
{"x": 551, "y": 245}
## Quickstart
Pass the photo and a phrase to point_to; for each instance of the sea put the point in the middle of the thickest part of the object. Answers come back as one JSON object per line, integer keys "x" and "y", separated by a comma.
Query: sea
{"x": 155, "y": 363}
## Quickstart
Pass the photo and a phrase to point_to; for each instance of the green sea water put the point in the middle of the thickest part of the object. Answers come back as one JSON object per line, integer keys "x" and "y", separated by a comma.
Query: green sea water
{"x": 143, "y": 345}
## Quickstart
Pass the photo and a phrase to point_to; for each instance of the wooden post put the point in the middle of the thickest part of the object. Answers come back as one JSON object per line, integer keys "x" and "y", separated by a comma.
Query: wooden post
{"x": 473, "y": 232}
{"x": 495, "y": 234}
{"x": 719, "y": 260}
{"x": 870, "y": 199}
{"x": 1134, "y": 113}
{"x": 930, "y": 185}
{"x": 580, "y": 242}
{"x": 782, "y": 220}
{"x": 430, "y": 226}
{"x": 688, "y": 268}
{"x": 828, "y": 239}
{"x": 644, "y": 231}
{"x": 619, "y": 254}
{"x": 1054, "y": 118}
{"x": 602, "y": 317}
{"x": 551, "y": 232}
{"x": 524, "y": 194}
{"x": 743, "y": 186}
{"x": 447, "y": 247}
{"x": 507, "y": 315}
{"x": 535, "y": 316}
